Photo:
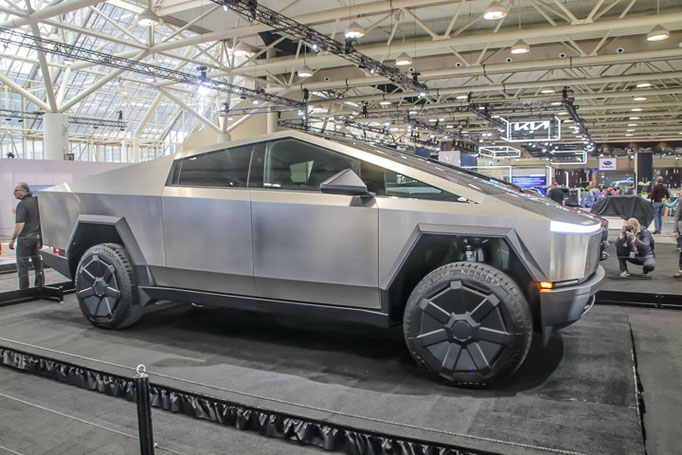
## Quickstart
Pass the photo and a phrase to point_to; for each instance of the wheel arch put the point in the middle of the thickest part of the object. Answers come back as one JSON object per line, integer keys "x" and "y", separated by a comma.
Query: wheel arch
{"x": 431, "y": 246}
{"x": 91, "y": 230}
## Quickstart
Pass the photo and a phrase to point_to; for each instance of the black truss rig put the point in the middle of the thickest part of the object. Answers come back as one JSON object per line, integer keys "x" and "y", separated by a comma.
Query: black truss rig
{"x": 254, "y": 11}
{"x": 89, "y": 121}
{"x": 388, "y": 138}
{"x": 9, "y": 36}
{"x": 577, "y": 121}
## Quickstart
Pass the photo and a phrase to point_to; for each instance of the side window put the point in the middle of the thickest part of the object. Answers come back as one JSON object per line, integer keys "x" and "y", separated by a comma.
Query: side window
{"x": 297, "y": 165}
{"x": 384, "y": 182}
{"x": 224, "y": 168}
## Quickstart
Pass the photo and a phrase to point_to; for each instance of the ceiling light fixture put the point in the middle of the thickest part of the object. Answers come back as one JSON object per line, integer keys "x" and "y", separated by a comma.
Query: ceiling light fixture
{"x": 640, "y": 98}
{"x": 644, "y": 85}
{"x": 305, "y": 71}
{"x": 658, "y": 34}
{"x": 494, "y": 12}
{"x": 634, "y": 118}
{"x": 520, "y": 47}
{"x": 633, "y": 124}
{"x": 147, "y": 17}
{"x": 636, "y": 109}
{"x": 547, "y": 91}
{"x": 354, "y": 31}
{"x": 385, "y": 102}
{"x": 403, "y": 60}
{"x": 462, "y": 97}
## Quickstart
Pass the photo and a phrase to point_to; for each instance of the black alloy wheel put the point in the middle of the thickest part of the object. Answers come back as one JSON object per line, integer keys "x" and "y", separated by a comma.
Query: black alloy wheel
{"x": 468, "y": 323}
{"x": 106, "y": 287}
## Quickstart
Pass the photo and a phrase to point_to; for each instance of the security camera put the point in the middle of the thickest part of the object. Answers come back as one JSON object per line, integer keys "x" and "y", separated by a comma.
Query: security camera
{"x": 326, "y": 78}
{"x": 562, "y": 55}
{"x": 620, "y": 50}
{"x": 508, "y": 60}
{"x": 458, "y": 64}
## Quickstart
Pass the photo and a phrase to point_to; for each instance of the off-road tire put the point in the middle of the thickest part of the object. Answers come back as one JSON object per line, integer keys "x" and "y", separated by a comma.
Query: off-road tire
{"x": 106, "y": 287}
{"x": 468, "y": 323}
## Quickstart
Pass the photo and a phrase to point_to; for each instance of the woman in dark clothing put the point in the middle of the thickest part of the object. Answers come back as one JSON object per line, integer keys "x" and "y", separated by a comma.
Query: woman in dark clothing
{"x": 635, "y": 245}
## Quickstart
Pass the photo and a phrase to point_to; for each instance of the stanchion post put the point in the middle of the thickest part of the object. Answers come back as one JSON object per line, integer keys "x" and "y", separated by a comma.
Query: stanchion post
{"x": 144, "y": 411}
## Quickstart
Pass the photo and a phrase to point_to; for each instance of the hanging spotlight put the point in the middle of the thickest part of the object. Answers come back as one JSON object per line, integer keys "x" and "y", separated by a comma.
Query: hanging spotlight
{"x": 147, "y": 17}
{"x": 255, "y": 101}
{"x": 243, "y": 50}
{"x": 520, "y": 47}
{"x": 403, "y": 60}
{"x": 494, "y": 12}
{"x": 354, "y": 31}
{"x": 658, "y": 34}
{"x": 305, "y": 72}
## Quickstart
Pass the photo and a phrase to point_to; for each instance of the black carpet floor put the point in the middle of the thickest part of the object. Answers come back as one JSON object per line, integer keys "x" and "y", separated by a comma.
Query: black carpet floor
{"x": 577, "y": 395}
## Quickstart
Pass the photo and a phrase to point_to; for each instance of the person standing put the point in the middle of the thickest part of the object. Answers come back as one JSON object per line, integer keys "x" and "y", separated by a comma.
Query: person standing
{"x": 658, "y": 193}
{"x": 27, "y": 235}
{"x": 555, "y": 193}
{"x": 678, "y": 233}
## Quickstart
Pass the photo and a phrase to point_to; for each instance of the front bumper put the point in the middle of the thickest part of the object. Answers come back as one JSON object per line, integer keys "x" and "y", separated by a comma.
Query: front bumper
{"x": 563, "y": 306}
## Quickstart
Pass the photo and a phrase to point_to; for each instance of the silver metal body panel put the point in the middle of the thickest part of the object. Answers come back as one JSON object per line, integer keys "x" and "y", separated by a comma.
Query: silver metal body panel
{"x": 132, "y": 192}
{"x": 208, "y": 230}
{"x": 316, "y": 247}
{"x": 309, "y": 246}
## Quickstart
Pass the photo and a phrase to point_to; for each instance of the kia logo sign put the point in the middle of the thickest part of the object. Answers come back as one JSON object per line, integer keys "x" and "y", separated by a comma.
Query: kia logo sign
{"x": 532, "y": 130}
{"x": 530, "y": 127}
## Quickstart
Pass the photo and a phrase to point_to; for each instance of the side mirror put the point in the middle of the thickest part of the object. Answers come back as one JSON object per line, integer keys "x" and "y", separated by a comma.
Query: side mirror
{"x": 345, "y": 182}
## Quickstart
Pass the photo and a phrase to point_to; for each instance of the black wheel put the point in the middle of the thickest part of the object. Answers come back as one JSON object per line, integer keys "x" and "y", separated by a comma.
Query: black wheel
{"x": 106, "y": 287}
{"x": 468, "y": 323}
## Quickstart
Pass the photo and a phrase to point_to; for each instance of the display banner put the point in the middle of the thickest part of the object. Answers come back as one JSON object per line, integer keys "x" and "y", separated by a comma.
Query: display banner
{"x": 607, "y": 164}
{"x": 529, "y": 181}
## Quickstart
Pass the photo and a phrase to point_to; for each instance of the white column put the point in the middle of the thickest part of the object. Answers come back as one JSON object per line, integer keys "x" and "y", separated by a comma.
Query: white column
{"x": 55, "y": 136}
{"x": 271, "y": 117}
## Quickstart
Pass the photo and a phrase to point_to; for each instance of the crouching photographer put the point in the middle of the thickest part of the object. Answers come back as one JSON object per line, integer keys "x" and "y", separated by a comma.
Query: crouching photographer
{"x": 635, "y": 245}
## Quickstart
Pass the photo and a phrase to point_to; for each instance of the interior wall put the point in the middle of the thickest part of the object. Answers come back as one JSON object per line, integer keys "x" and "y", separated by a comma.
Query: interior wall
{"x": 39, "y": 173}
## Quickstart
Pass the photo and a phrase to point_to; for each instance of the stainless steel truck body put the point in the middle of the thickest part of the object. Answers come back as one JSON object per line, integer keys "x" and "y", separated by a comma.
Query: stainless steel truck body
{"x": 296, "y": 223}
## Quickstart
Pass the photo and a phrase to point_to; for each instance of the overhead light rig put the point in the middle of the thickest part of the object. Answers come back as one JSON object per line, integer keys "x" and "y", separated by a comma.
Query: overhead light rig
{"x": 577, "y": 121}
{"x": 384, "y": 135}
{"x": 252, "y": 10}
{"x": 24, "y": 40}
{"x": 119, "y": 123}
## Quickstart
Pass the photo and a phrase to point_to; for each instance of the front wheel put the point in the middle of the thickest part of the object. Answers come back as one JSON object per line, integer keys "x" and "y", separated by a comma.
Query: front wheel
{"x": 468, "y": 323}
{"x": 106, "y": 287}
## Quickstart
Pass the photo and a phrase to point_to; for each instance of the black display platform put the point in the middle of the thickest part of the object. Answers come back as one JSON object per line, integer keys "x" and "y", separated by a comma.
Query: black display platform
{"x": 576, "y": 396}
{"x": 661, "y": 290}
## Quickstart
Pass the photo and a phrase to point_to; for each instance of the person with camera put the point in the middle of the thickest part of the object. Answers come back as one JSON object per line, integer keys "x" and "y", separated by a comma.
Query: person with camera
{"x": 635, "y": 245}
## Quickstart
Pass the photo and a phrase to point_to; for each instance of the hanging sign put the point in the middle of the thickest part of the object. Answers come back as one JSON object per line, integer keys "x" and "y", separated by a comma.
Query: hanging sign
{"x": 607, "y": 164}
{"x": 532, "y": 131}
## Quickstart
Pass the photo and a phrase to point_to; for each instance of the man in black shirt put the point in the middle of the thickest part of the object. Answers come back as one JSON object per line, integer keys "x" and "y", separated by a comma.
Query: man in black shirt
{"x": 27, "y": 230}
{"x": 555, "y": 193}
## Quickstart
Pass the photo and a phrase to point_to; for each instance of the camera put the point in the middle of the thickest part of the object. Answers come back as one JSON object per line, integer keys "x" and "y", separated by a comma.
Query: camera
{"x": 629, "y": 228}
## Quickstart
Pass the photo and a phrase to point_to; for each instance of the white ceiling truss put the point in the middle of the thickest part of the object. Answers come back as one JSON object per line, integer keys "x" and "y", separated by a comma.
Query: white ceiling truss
{"x": 598, "y": 48}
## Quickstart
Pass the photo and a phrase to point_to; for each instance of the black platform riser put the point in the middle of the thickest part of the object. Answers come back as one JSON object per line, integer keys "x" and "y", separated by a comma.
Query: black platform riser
{"x": 269, "y": 423}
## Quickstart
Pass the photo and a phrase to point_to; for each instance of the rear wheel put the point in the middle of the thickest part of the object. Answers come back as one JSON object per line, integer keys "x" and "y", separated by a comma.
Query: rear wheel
{"x": 106, "y": 287}
{"x": 468, "y": 323}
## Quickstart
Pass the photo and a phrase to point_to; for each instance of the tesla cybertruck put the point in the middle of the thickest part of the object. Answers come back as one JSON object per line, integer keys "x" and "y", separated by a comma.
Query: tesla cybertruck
{"x": 298, "y": 224}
